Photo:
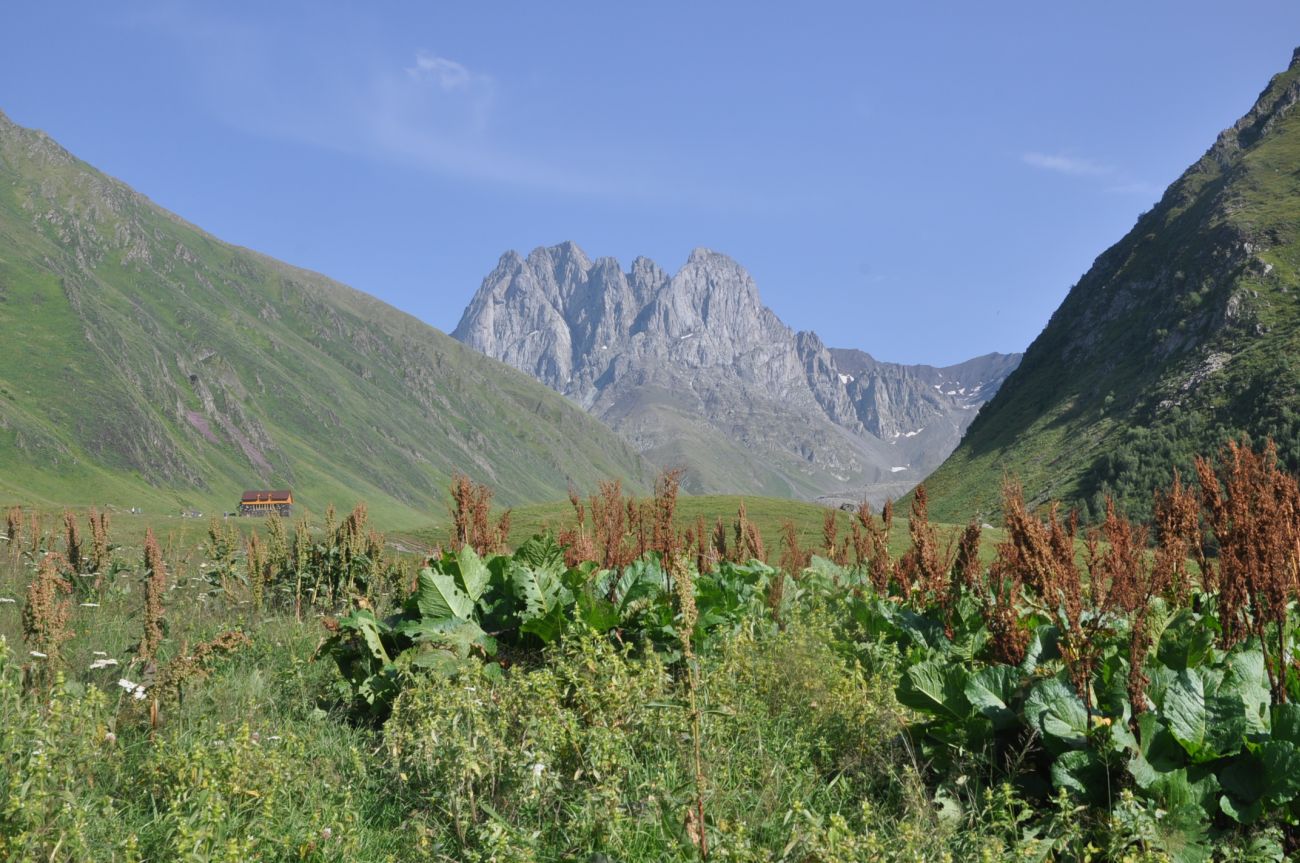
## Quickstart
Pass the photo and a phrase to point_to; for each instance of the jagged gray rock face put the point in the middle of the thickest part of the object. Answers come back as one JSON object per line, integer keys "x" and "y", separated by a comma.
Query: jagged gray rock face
{"x": 698, "y": 373}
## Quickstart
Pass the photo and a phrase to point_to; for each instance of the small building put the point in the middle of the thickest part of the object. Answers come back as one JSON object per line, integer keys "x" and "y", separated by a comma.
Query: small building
{"x": 266, "y": 502}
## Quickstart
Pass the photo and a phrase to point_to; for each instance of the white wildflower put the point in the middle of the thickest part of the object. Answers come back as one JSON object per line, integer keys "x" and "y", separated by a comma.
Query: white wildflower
{"x": 98, "y": 653}
{"x": 137, "y": 690}
{"x": 8, "y": 599}
{"x": 38, "y": 655}
{"x": 102, "y": 663}
{"x": 538, "y": 769}
{"x": 90, "y": 605}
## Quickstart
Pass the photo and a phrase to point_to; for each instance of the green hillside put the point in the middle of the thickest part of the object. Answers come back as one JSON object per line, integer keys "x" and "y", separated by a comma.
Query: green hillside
{"x": 1183, "y": 334}
{"x": 146, "y": 363}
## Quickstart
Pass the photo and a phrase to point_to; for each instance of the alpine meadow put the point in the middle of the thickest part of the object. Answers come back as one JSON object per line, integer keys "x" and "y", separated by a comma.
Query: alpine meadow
{"x": 632, "y": 565}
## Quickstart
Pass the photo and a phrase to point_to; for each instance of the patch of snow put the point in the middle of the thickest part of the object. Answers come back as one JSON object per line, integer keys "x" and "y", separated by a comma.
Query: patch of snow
{"x": 914, "y": 433}
{"x": 896, "y": 469}
{"x": 533, "y": 333}
{"x": 685, "y": 337}
{"x": 846, "y": 379}
{"x": 604, "y": 347}
{"x": 937, "y": 387}
{"x": 950, "y": 392}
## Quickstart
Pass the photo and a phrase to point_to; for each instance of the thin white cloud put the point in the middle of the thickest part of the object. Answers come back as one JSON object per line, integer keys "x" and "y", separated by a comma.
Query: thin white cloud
{"x": 447, "y": 74}
{"x": 1063, "y": 164}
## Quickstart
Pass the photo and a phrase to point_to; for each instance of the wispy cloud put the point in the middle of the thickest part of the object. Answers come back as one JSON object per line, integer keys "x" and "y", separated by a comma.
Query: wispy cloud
{"x": 446, "y": 73}
{"x": 1063, "y": 164}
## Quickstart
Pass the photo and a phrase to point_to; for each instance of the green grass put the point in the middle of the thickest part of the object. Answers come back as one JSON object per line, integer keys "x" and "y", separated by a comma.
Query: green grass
{"x": 122, "y": 317}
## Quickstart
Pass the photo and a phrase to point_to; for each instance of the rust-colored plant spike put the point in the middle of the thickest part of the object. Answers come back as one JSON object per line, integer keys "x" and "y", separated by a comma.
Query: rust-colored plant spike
{"x": 964, "y": 574}
{"x": 924, "y": 566}
{"x": 720, "y": 540}
{"x": 748, "y": 539}
{"x": 609, "y": 524}
{"x": 1178, "y": 535}
{"x": 14, "y": 527}
{"x": 793, "y": 558}
{"x": 578, "y": 544}
{"x": 664, "y": 533}
{"x": 1254, "y": 515}
{"x": 871, "y": 546}
{"x": 35, "y": 534}
{"x": 48, "y": 610}
{"x": 99, "y": 544}
{"x": 1000, "y": 597}
{"x": 471, "y": 505}
{"x": 71, "y": 541}
{"x": 830, "y": 535}
{"x": 155, "y": 586}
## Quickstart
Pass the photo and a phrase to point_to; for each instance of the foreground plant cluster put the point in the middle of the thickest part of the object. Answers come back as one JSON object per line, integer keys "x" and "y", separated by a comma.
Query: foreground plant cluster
{"x": 633, "y": 691}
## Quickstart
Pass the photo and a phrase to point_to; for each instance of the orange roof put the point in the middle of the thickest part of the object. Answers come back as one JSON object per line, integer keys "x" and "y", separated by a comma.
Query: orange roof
{"x": 283, "y": 495}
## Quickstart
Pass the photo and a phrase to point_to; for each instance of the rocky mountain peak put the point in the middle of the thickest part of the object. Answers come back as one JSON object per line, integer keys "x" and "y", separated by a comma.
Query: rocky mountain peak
{"x": 695, "y": 371}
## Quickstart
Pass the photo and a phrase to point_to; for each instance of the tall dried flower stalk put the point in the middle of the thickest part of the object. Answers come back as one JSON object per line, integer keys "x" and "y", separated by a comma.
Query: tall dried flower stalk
{"x": 471, "y": 505}
{"x": 1254, "y": 514}
{"x": 748, "y": 543}
{"x": 794, "y": 559}
{"x": 155, "y": 586}
{"x": 924, "y": 566}
{"x": 100, "y": 549}
{"x": 665, "y": 508}
{"x": 14, "y": 527}
{"x": 255, "y": 562}
{"x": 684, "y": 586}
{"x": 964, "y": 574}
{"x": 71, "y": 541}
{"x": 302, "y": 555}
{"x": 48, "y": 610}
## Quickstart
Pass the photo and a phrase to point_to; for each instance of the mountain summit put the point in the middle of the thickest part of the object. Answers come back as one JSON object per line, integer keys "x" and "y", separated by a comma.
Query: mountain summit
{"x": 1182, "y": 335}
{"x": 696, "y": 372}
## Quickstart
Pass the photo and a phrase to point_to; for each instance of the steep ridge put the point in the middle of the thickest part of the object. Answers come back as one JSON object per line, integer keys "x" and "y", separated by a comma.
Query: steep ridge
{"x": 1182, "y": 335}
{"x": 696, "y": 372}
{"x": 147, "y": 362}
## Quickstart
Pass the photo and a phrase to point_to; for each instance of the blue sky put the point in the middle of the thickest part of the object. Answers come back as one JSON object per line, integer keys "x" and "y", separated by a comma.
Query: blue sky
{"x": 923, "y": 181}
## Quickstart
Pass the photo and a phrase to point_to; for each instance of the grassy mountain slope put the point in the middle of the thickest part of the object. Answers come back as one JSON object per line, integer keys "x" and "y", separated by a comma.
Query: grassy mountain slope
{"x": 1183, "y": 334}
{"x": 146, "y": 362}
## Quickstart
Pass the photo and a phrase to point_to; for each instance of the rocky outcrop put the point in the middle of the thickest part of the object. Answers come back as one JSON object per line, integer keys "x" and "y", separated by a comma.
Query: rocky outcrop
{"x": 698, "y": 373}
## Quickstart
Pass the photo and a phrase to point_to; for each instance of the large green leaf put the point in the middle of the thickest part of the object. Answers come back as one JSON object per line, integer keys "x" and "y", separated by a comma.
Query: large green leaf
{"x": 1055, "y": 710}
{"x": 1269, "y": 775}
{"x": 460, "y": 636}
{"x": 1043, "y": 647}
{"x": 1208, "y": 726}
{"x": 473, "y": 573}
{"x": 1185, "y": 642}
{"x": 365, "y": 624}
{"x": 936, "y": 688}
{"x": 1246, "y": 681}
{"x": 597, "y": 612}
{"x": 437, "y": 597}
{"x": 544, "y": 598}
{"x": 1081, "y": 771}
{"x": 1286, "y": 722}
{"x": 990, "y": 692}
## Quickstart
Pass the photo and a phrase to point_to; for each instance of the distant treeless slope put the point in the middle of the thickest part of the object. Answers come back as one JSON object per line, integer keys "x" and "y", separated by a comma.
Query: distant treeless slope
{"x": 1183, "y": 334}
{"x": 143, "y": 361}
